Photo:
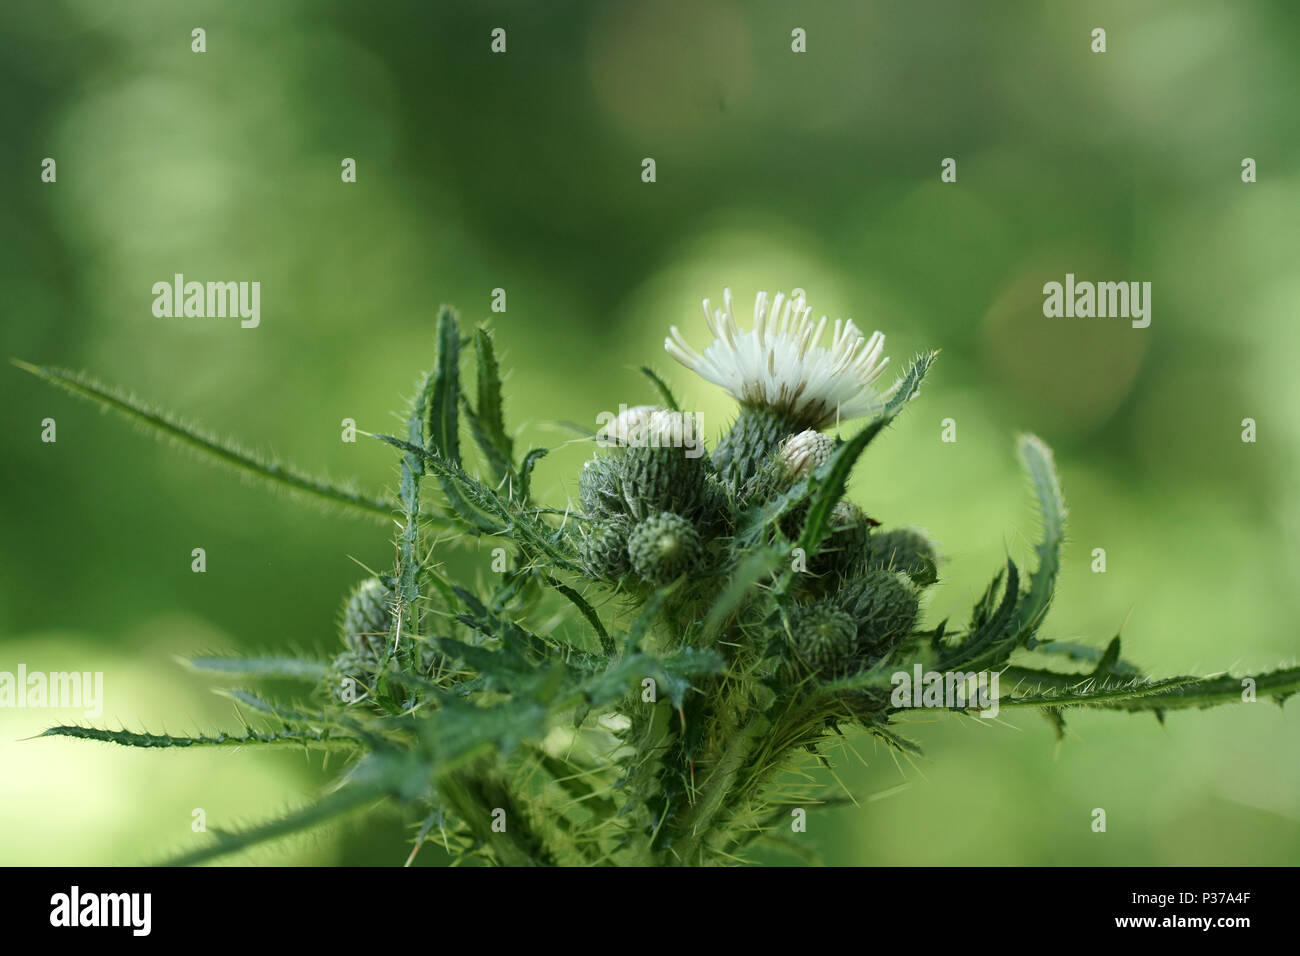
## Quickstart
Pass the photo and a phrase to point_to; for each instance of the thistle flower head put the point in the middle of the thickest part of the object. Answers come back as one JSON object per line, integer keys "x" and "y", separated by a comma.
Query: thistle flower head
{"x": 781, "y": 364}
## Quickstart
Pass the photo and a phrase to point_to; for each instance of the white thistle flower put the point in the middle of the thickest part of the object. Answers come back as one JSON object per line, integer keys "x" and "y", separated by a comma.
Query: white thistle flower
{"x": 781, "y": 364}
{"x": 801, "y": 454}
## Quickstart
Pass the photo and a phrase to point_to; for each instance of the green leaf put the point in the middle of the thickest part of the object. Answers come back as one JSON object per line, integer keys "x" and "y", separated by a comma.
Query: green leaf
{"x": 1041, "y": 470}
{"x": 990, "y": 643}
{"x": 444, "y": 402}
{"x": 751, "y": 571}
{"x": 290, "y": 716}
{"x": 523, "y": 525}
{"x": 271, "y": 667}
{"x": 526, "y": 471}
{"x": 1087, "y": 655}
{"x": 515, "y": 640}
{"x": 1044, "y": 688}
{"x": 831, "y": 479}
{"x": 489, "y": 387}
{"x": 588, "y": 612}
{"x": 677, "y": 670}
{"x": 489, "y": 417}
{"x": 125, "y": 738}
{"x": 499, "y": 464}
{"x": 664, "y": 392}
{"x": 220, "y": 451}
{"x": 572, "y": 779}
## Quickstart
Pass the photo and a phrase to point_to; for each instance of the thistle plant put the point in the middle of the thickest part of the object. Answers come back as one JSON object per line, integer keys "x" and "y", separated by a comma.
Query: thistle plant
{"x": 660, "y": 661}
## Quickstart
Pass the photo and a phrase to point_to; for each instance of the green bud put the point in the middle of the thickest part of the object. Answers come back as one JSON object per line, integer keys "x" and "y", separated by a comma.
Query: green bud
{"x": 823, "y": 637}
{"x": 883, "y": 605}
{"x": 599, "y": 489}
{"x": 663, "y": 547}
{"x": 753, "y": 440}
{"x": 640, "y": 481}
{"x": 603, "y": 550}
{"x": 906, "y": 550}
{"x": 844, "y": 552}
{"x": 367, "y": 616}
{"x": 663, "y": 479}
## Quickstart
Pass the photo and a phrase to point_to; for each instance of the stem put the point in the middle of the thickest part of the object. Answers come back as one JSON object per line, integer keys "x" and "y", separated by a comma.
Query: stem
{"x": 717, "y": 789}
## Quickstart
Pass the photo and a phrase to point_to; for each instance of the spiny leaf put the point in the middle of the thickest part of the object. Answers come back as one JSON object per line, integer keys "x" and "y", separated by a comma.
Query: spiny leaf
{"x": 488, "y": 420}
{"x": 1039, "y": 467}
{"x": 573, "y": 780}
{"x": 831, "y": 479}
{"x": 271, "y": 667}
{"x": 251, "y": 737}
{"x": 459, "y": 732}
{"x": 221, "y": 451}
{"x": 444, "y": 402}
{"x": 677, "y": 669}
{"x": 664, "y": 392}
{"x": 526, "y": 471}
{"x": 588, "y": 612}
{"x": 500, "y": 669}
{"x": 1145, "y": 694}
{"x": 500, "y": 465}
{"x": 291, "y": 716}
{"x": 515, "y": 640}
{"x": 644, "y": 621}
{"x": 1084, "y": 654}
{"x": 482, "y": 504}
{"x": 752, "y": 570}
{"x": 994, "y": 639}
{"x": 1095, "y": 693}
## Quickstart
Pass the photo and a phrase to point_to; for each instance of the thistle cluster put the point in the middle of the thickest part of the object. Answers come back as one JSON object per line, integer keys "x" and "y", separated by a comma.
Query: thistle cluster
{"x": 650, "y": 675}
{"x": 659, "y": 515}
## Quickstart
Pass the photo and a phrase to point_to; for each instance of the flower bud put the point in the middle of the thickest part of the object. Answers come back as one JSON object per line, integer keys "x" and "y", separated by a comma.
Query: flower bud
{"x": 367, "y": 616}
{"x": 752, "y": 442}
{"x": 663, "y": 547}
{"x": 907, "y": 550}
{"x": 803, "y": 453}
{"x": 823, "y": 637}
{"x": 598, "y": 487}
{"x": 663, "y": 479}
{"x": 884, "y": 606}
{"x": 602, "y": 550}
{"x": 844, "y": 552}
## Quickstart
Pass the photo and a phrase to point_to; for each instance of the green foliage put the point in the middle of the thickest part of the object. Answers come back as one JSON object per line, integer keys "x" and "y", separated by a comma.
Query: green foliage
{"x": 527, "y": 720}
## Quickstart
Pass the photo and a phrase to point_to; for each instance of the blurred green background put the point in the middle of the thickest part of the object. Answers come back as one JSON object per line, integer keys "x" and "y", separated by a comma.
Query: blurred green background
{"x": 774, "y": 170}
